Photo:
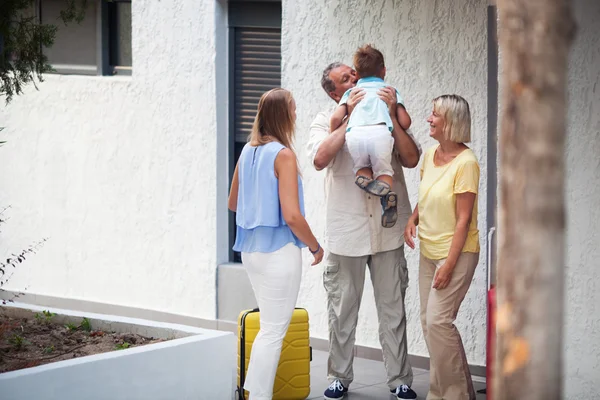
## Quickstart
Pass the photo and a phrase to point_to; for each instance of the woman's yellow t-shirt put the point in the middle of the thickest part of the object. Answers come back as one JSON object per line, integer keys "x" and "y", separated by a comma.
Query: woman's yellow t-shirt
{"x": 437, "y": 203}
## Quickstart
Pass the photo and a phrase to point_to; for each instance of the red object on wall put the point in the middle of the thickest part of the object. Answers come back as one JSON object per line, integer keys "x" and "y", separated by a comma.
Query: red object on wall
{"x": 491, "y": 340}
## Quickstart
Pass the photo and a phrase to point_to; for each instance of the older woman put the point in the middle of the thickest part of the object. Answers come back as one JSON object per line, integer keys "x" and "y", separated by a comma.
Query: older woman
{"x": 449, "y": 241}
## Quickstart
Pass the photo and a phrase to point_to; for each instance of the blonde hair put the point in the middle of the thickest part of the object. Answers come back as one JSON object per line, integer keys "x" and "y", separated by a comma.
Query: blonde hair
{"x": 457, "y": 117}
{"x": 274, "y": 118}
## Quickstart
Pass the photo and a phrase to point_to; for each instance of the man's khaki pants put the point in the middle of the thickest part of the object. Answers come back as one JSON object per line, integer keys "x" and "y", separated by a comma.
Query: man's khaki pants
{"x": 449, "y": 376}
{"x": 344, "y": 279}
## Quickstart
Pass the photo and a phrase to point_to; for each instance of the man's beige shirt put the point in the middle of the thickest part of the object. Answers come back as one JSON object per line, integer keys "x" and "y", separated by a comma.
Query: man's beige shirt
{"x": 352, "y": 216}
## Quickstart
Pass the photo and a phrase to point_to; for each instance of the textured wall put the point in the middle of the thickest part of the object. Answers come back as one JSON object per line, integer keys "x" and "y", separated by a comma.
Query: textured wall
{"x": 582, "y": 282}
{"x": 119, "y": 172}
{"x": 431, "y": 48}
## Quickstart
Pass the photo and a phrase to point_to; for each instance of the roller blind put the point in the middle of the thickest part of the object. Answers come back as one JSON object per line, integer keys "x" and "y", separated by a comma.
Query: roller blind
{"x": 257, "y": 69}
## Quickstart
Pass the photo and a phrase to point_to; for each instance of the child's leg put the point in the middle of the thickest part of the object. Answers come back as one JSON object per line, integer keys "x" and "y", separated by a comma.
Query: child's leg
{"x": 364, "y": 176}
{"x": 357, "y": 140}
{"x": 382, "y": 145}
{"x": 367, "y": 172}
{"x": 360, "y": 157}
{"x": 381, "y": 159}
{"x": 385, "y": 178}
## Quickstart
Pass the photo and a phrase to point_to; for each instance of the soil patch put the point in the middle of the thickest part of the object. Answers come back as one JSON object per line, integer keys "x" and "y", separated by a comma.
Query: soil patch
{"x": 26, "y": 343}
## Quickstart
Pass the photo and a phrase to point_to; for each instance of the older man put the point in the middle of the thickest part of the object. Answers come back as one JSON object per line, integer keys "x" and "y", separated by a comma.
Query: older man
{"x": 355, "y": 239}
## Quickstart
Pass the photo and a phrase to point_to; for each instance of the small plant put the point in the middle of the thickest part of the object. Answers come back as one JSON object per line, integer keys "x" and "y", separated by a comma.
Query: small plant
{"x": 18, "y": 341}
{"x": 71, "y": 327}
{"x": 46, "y": 316}
{"x": 8, "y": 265}
{"x": 123, "y": 346}
{"x": 49, "y": 349}
{"x": 86, "y": 325}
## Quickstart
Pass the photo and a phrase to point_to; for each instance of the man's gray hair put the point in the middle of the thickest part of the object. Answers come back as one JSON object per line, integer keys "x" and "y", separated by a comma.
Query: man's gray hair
{"x": 326, "y": 82}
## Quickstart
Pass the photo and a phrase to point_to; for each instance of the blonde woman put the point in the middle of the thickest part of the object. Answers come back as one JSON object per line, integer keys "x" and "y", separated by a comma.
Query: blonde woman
{"x": 266, "y": 194}
{"x": 449, "y": 241}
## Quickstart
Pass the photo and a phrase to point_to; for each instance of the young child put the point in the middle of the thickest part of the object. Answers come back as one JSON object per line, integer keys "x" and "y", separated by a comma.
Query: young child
{"x": 368, "y": 135}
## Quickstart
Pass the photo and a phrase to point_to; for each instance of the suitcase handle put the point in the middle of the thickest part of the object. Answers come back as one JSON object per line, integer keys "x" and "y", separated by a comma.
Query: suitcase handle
{"x": 257, "y": 309}
{"x": 490, "y": 237}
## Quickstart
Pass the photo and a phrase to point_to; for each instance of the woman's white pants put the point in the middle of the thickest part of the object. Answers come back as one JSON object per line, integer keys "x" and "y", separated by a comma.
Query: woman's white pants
{"x": 275, "y": 279}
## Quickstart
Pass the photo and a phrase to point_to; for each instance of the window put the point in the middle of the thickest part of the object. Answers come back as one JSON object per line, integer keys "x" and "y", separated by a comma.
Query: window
{"x": 255, "y": 60}
{"x": 119, "y": 34}
{"x": 99, "y": 45}
{"x": 74, "y": 49}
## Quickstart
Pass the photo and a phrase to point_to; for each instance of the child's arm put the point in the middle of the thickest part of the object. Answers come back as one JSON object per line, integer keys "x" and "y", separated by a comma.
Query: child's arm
{"x": 403, "y": 117}
{"x": 338, "y": 117}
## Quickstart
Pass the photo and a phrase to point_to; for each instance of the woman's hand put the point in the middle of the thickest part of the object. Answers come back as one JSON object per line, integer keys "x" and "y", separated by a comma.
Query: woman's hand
{"x": 318, "y": 256}
{"x": 442, "y": 276}
{"x": 410, "y": 232}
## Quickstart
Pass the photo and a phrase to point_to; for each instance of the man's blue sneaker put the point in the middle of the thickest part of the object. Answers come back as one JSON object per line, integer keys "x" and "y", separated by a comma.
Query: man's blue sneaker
{"x": 336, "y": 391}
{"x": 404, "y": 392}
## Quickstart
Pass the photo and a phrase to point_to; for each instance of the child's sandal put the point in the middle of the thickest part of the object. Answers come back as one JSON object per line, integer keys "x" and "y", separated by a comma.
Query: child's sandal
{"x": 362, "y": 182}
{"x": 378, "y": 188}
{"x": 389, "y": 214}
{"x": 372, "y": 186}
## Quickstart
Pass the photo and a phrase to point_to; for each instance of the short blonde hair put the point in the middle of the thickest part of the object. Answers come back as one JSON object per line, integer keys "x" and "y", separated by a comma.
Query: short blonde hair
{"x": 457, "y": 117}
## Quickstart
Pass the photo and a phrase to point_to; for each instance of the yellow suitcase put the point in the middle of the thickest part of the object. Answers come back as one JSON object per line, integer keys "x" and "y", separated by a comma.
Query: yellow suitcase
{"x": 292, "y": 381}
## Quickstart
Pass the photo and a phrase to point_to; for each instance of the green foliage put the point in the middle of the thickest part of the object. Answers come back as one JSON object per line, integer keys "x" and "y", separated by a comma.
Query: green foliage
{"x": 86, "y": 325}
{"x": 123, "y": 346}
{"x": 71, "y": 327}
{"x": 18, "y": 342}
{"x": 22, "y": 39}
{"x": 45, "y": 316}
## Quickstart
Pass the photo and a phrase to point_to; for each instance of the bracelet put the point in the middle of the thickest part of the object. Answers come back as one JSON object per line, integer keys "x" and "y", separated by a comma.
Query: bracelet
{"x": 317, "y": 250}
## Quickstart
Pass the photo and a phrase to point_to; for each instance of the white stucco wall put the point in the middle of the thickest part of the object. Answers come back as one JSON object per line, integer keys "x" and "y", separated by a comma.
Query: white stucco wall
{"x": 119, "y": 172}
{"x": 430, "y": 48}
{"x": 582, "y": 280}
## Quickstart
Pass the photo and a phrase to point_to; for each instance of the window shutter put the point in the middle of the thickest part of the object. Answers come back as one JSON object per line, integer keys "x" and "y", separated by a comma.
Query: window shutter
{"x": 257, "y": 69}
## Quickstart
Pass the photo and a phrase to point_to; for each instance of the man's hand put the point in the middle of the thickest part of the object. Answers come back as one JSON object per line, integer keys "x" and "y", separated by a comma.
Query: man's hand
{"x": 388, "y": 95}
{"x": 356, "y": 95}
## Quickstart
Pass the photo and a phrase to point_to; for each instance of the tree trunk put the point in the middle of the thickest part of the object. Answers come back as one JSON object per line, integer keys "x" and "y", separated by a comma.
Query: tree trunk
{"x": 534, "y": 39}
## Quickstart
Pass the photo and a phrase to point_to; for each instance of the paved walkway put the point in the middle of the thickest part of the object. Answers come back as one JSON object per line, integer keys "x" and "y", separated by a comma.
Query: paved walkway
{"x": 369, "y": 380}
